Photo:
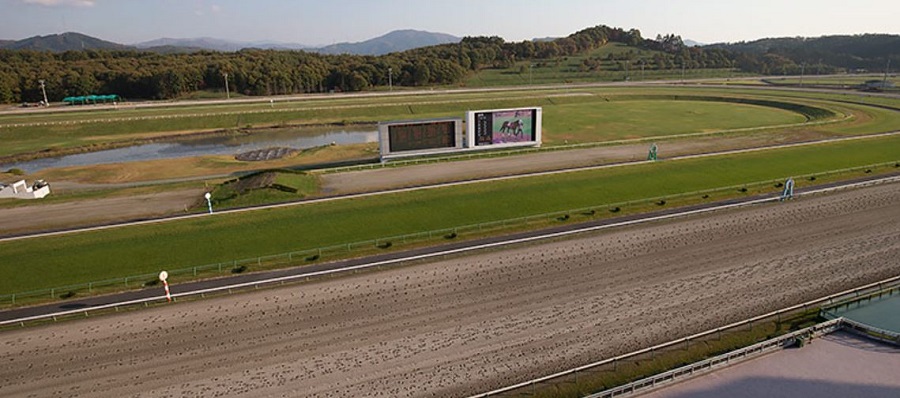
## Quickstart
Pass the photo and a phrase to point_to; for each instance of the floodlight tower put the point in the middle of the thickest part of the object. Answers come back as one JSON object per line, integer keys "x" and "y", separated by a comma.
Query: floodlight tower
{"x": 44, "y": 91}
{"x": 390, "y": 79}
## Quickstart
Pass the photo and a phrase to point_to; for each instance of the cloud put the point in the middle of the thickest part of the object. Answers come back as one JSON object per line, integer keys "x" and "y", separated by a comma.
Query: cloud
{"x": 70, "y": 3}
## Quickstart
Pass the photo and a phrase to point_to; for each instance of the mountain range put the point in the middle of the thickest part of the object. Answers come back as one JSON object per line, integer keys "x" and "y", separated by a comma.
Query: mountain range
{"x": 400, "y": 40}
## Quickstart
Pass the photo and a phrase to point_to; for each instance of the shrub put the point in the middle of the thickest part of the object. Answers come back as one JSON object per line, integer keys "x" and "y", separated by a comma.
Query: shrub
{"x": 385, "y": 245}
{"x": 661, "y": 202}
{"x": 812, "y": 178}
{"x": 563, "y": 218}
{"x": 314, "y": 257}
{"x": 615, "y": 210}
{"x": 15, "y": 171}
{"x": 743, "y": 189}
{"x": 451, "y": 235}
{"x": 238, "y": 270}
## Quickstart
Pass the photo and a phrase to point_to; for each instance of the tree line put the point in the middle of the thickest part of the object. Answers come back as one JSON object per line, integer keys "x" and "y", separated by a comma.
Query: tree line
{"x": 146, "y": 75}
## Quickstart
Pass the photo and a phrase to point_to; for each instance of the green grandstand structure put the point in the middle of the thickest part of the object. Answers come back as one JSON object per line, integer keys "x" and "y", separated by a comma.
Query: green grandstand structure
{"x": 91, "y": 99}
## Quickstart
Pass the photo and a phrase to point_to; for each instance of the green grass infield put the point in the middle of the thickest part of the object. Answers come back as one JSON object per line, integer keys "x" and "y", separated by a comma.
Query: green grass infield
{"x": 47, "y": 262}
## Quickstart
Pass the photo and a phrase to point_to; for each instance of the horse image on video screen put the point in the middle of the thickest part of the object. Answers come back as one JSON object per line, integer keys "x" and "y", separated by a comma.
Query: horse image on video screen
{"x": 513, "y": 126}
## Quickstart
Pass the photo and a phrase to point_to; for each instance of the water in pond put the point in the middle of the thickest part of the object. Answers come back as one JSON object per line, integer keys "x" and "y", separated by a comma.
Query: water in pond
{"x": 297, "y": 138}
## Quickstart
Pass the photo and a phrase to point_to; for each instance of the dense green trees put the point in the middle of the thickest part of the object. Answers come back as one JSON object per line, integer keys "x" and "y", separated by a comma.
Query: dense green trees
{"x": 146, "y": 75}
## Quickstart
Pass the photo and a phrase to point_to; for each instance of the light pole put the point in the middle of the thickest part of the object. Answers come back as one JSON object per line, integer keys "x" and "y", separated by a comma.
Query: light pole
{"x": 390, "y": 79}
{"x": 886, "y": 70}
{"x": 227, "y": 92}
{"x": 44, "y": 90}
{"x": 208, "y": 197}
{"x": 802, "y": 72}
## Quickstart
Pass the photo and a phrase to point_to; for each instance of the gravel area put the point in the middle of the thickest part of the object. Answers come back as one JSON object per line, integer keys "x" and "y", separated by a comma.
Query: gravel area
{"x": 470, "y": 324}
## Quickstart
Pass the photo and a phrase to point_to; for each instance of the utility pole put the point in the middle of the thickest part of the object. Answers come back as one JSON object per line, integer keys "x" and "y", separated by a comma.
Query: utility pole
{"x": 47, "y": 103}
{"x": 227, "y": 91}
{"x": 883, "y": 82}
{"x": 802, "y": 72}
{"x": 391, "y": 79}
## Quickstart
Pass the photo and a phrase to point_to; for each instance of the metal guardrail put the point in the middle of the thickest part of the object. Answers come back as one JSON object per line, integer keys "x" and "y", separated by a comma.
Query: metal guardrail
{"x": 872, "y": 332}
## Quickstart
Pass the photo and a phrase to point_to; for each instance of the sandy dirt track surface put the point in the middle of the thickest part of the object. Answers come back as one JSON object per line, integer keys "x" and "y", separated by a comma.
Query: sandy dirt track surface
{"x": 470, "y": 324}
{"x": 416, "y": 175}
{"x": 96, "y": 211}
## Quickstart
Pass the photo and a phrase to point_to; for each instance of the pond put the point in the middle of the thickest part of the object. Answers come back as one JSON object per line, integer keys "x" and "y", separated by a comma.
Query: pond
{"x": 297, "y": 138}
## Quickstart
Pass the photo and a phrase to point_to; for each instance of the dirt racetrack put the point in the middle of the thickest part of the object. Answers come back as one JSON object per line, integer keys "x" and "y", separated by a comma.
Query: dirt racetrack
{"x": 78, "y": 213}
{"x": 470, "y": 324}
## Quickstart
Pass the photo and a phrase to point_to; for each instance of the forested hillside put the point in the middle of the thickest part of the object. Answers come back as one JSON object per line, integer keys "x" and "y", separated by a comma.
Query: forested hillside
{"x": 144, "y": 75}
{"x": 870, "y": 52}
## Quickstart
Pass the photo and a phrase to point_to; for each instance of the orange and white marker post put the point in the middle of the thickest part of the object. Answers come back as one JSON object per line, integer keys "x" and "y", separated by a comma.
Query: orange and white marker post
{"x": 163, "y": 276}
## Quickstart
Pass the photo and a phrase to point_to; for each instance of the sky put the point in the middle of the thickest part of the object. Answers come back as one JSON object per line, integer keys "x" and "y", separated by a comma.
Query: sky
{"x": 321, "y": 22}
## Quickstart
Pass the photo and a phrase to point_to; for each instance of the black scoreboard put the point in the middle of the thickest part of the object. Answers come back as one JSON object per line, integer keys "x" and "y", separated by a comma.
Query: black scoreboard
{"x": 422, "y": 136}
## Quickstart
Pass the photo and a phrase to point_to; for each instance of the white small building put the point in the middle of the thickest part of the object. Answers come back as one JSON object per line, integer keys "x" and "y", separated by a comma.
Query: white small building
{"x": 20, "y": 190}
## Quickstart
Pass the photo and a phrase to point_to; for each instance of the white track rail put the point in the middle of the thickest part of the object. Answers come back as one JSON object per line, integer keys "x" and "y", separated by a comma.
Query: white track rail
{"x": 435, "y": 255}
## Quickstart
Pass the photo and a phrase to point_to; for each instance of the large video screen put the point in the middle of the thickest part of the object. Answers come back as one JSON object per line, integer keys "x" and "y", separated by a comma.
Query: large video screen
{"x": 505, "y": 127}
{"x": 420, "y": 136}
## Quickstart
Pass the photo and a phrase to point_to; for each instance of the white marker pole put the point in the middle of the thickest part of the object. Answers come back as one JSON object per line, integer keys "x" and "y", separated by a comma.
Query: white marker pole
{"x": 208, "y": 201}
{"x": 163, "y": 276}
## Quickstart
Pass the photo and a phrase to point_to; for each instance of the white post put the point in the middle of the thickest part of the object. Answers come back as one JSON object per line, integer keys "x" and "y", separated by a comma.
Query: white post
{"x": 227, "y": 92}
{"x": 44, "y": 91}
{"x": 208, "y": 197}
{"x": 163, "y": 276}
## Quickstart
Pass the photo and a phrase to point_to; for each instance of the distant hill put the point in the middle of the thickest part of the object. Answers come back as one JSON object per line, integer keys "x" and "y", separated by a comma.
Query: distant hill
{"x": 63, "y": 42}
{"x": 167, "y": 45}
{"x": 869, "y": 51}
{"x": 396, "y": 41}
{"x": 204, "y": 43}
{"x": 692, "y": 43}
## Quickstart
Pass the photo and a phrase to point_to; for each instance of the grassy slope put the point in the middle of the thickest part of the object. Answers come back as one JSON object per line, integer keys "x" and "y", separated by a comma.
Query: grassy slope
{"x": 568, "y": 70}
{"x": 137, "y": 250}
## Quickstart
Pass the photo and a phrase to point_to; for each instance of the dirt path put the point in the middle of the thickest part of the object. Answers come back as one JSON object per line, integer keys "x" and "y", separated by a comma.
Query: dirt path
{"x": 96, "y": 211}
{"x": 467, "y": 325}
{"x": 416, "y": 175}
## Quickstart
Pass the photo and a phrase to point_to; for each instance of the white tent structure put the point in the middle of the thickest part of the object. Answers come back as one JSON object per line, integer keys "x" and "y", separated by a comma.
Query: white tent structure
{"x": 20, "y": 190}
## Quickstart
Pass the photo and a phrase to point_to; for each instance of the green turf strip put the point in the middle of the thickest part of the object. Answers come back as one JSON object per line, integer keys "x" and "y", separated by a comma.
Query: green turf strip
{"x": 78, "y": 258}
